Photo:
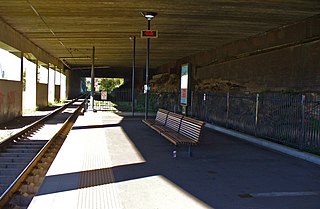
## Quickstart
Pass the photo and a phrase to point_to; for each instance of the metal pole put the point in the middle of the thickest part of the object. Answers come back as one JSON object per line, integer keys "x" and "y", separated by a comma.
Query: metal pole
{"x": 60, "y": 82}
{"x": 191, "y": 104}
{"x": 37, "y": 71}
{"x": 60, "y": 71}
{"x": 302, "y": 132}
{"x": 21, "y": 79}
{"x": 133, "y": 69}
{"x": 48, "y": 82}
{"x": 257, "y": 114}
{"x": 147, "y": 75}
{"x": 21, "y": 69}
{"x": 228, "y": 109}
{"x": 92, "y": 80}
{"x": 48, "y": 68}
{"x": 54, "y": 84}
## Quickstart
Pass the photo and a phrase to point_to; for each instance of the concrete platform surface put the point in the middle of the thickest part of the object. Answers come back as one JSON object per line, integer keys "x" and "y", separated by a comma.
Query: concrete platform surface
{"x": 109, "y": 161}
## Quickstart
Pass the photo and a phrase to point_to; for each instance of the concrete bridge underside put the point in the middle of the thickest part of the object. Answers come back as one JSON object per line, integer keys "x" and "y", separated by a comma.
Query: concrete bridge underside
{"x": 256, "y": 44}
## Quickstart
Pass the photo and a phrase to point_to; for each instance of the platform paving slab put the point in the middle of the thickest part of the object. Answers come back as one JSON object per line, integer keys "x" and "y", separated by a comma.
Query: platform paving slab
{"x": 109, "y": 161}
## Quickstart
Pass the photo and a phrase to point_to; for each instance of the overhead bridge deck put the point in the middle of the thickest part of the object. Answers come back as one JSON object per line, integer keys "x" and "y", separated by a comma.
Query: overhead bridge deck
{"x": 109, "y": 161}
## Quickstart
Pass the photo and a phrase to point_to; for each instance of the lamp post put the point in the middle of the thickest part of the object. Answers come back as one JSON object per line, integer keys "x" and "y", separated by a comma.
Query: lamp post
{"x": 149, "y": 16}
{"x": 133, "y": 72}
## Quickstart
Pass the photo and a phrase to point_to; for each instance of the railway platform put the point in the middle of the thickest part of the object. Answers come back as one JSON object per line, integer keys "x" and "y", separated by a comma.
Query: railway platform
{"x": 111, "y": 161}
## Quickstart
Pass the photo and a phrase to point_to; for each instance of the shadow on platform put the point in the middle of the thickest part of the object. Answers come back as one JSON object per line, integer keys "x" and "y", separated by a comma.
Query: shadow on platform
{"x": 223, "y": 172}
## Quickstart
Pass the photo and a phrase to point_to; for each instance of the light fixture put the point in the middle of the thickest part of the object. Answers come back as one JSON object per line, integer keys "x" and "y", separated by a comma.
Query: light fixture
{"x": 149, "y": 15}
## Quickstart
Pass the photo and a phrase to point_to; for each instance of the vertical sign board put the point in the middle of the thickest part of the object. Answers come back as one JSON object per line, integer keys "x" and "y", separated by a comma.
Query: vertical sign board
{"x": 185, "y": 85}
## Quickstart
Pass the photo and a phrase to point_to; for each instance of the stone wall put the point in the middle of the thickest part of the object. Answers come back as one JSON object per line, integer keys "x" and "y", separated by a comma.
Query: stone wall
{"x": 10, "y": 100}
{"x": 42, "y": 95}
{"x": 73, "y": 84}
{"x": 57, "y": 92}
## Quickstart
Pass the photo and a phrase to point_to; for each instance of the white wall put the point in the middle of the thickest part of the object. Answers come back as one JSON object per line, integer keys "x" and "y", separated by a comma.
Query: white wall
{"x": 29, "y": 95}
{"x": 51, "y": 85}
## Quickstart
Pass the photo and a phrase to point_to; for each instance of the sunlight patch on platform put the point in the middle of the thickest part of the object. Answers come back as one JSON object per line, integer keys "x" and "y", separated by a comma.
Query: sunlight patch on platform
{"x": 121, "y": 148}
{"x": 156, "y": 192}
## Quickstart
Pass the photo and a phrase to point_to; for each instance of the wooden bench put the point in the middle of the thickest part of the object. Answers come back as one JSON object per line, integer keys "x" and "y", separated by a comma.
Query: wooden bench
{"x": 178, "y": 129}
{"x": 160, "y": 120}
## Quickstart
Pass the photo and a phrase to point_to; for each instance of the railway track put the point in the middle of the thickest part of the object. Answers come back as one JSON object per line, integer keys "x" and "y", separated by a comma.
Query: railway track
{"x": 26, "y": 156}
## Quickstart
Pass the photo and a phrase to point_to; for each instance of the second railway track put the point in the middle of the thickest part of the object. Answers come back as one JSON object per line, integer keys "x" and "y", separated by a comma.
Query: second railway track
{"x": 26, "y": 156}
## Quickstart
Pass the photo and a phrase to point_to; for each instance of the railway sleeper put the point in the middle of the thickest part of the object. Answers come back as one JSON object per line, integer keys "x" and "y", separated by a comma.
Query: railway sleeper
{"x": 30, "y": 188}
{"x": 35, "y": 179}
{"x": 20, "y": 201}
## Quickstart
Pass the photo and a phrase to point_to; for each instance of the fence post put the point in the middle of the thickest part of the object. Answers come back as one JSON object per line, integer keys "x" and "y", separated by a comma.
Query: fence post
{"x": 191, "y": 106}
{"x": 302, "y": 137}
{"x": 228, "y": 109}
{"x": 257, "y": 114}
{"x": 204, "y": 107}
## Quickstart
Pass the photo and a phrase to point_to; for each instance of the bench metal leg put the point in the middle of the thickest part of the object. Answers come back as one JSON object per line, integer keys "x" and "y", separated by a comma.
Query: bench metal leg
{"x": 174, "y": 152}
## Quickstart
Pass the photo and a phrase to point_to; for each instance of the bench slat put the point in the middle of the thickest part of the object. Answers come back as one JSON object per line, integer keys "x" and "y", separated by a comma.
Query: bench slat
{"x": 191, "y": 128}
{"x": 160, "y": 119}
{"x": 162, "y": 116}
{"x": 178, "y": 139}
{"x": 173, "y": 121}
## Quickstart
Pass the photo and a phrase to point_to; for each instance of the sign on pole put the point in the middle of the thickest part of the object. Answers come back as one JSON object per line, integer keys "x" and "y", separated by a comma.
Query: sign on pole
{"x": 185, "y": 71}
{"x": 185, "y": 87}
{"x": 104, "y": 95}
{"x": 149, "y": 34}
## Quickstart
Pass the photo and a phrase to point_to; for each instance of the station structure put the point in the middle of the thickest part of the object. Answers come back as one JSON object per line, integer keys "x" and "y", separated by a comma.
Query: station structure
{"x": 268, "y": 45}
{"x": 49, "y": 48}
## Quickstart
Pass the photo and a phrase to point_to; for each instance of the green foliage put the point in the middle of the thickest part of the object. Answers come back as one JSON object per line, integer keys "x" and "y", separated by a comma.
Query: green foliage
{"x": 88, "y": 84}
{"x": 109, "y": 84}
{"x": 24, "y": 80}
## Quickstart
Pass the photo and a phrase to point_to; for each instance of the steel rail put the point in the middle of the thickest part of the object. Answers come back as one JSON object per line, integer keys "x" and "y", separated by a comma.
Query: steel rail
{"x": 37, "y": 123}
{"x": 67, "y": 125}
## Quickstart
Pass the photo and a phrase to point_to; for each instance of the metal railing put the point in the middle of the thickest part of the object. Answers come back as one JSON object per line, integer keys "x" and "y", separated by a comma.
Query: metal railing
{"x": 290, "y": 119}
{"x": 123, "y": 100}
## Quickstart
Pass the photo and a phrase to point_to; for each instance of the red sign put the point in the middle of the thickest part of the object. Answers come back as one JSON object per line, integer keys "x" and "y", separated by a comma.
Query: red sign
{"x": 184, "y": 93}
{"x": 104, "y": 95}
{"x": 149, "y": 34}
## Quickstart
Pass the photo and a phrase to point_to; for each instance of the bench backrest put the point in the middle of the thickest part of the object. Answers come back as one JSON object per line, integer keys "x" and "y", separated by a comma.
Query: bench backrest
{"x": 191, "y": 128}
{"x": 173, "y": 121}
{"x": 161, "y": 116}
